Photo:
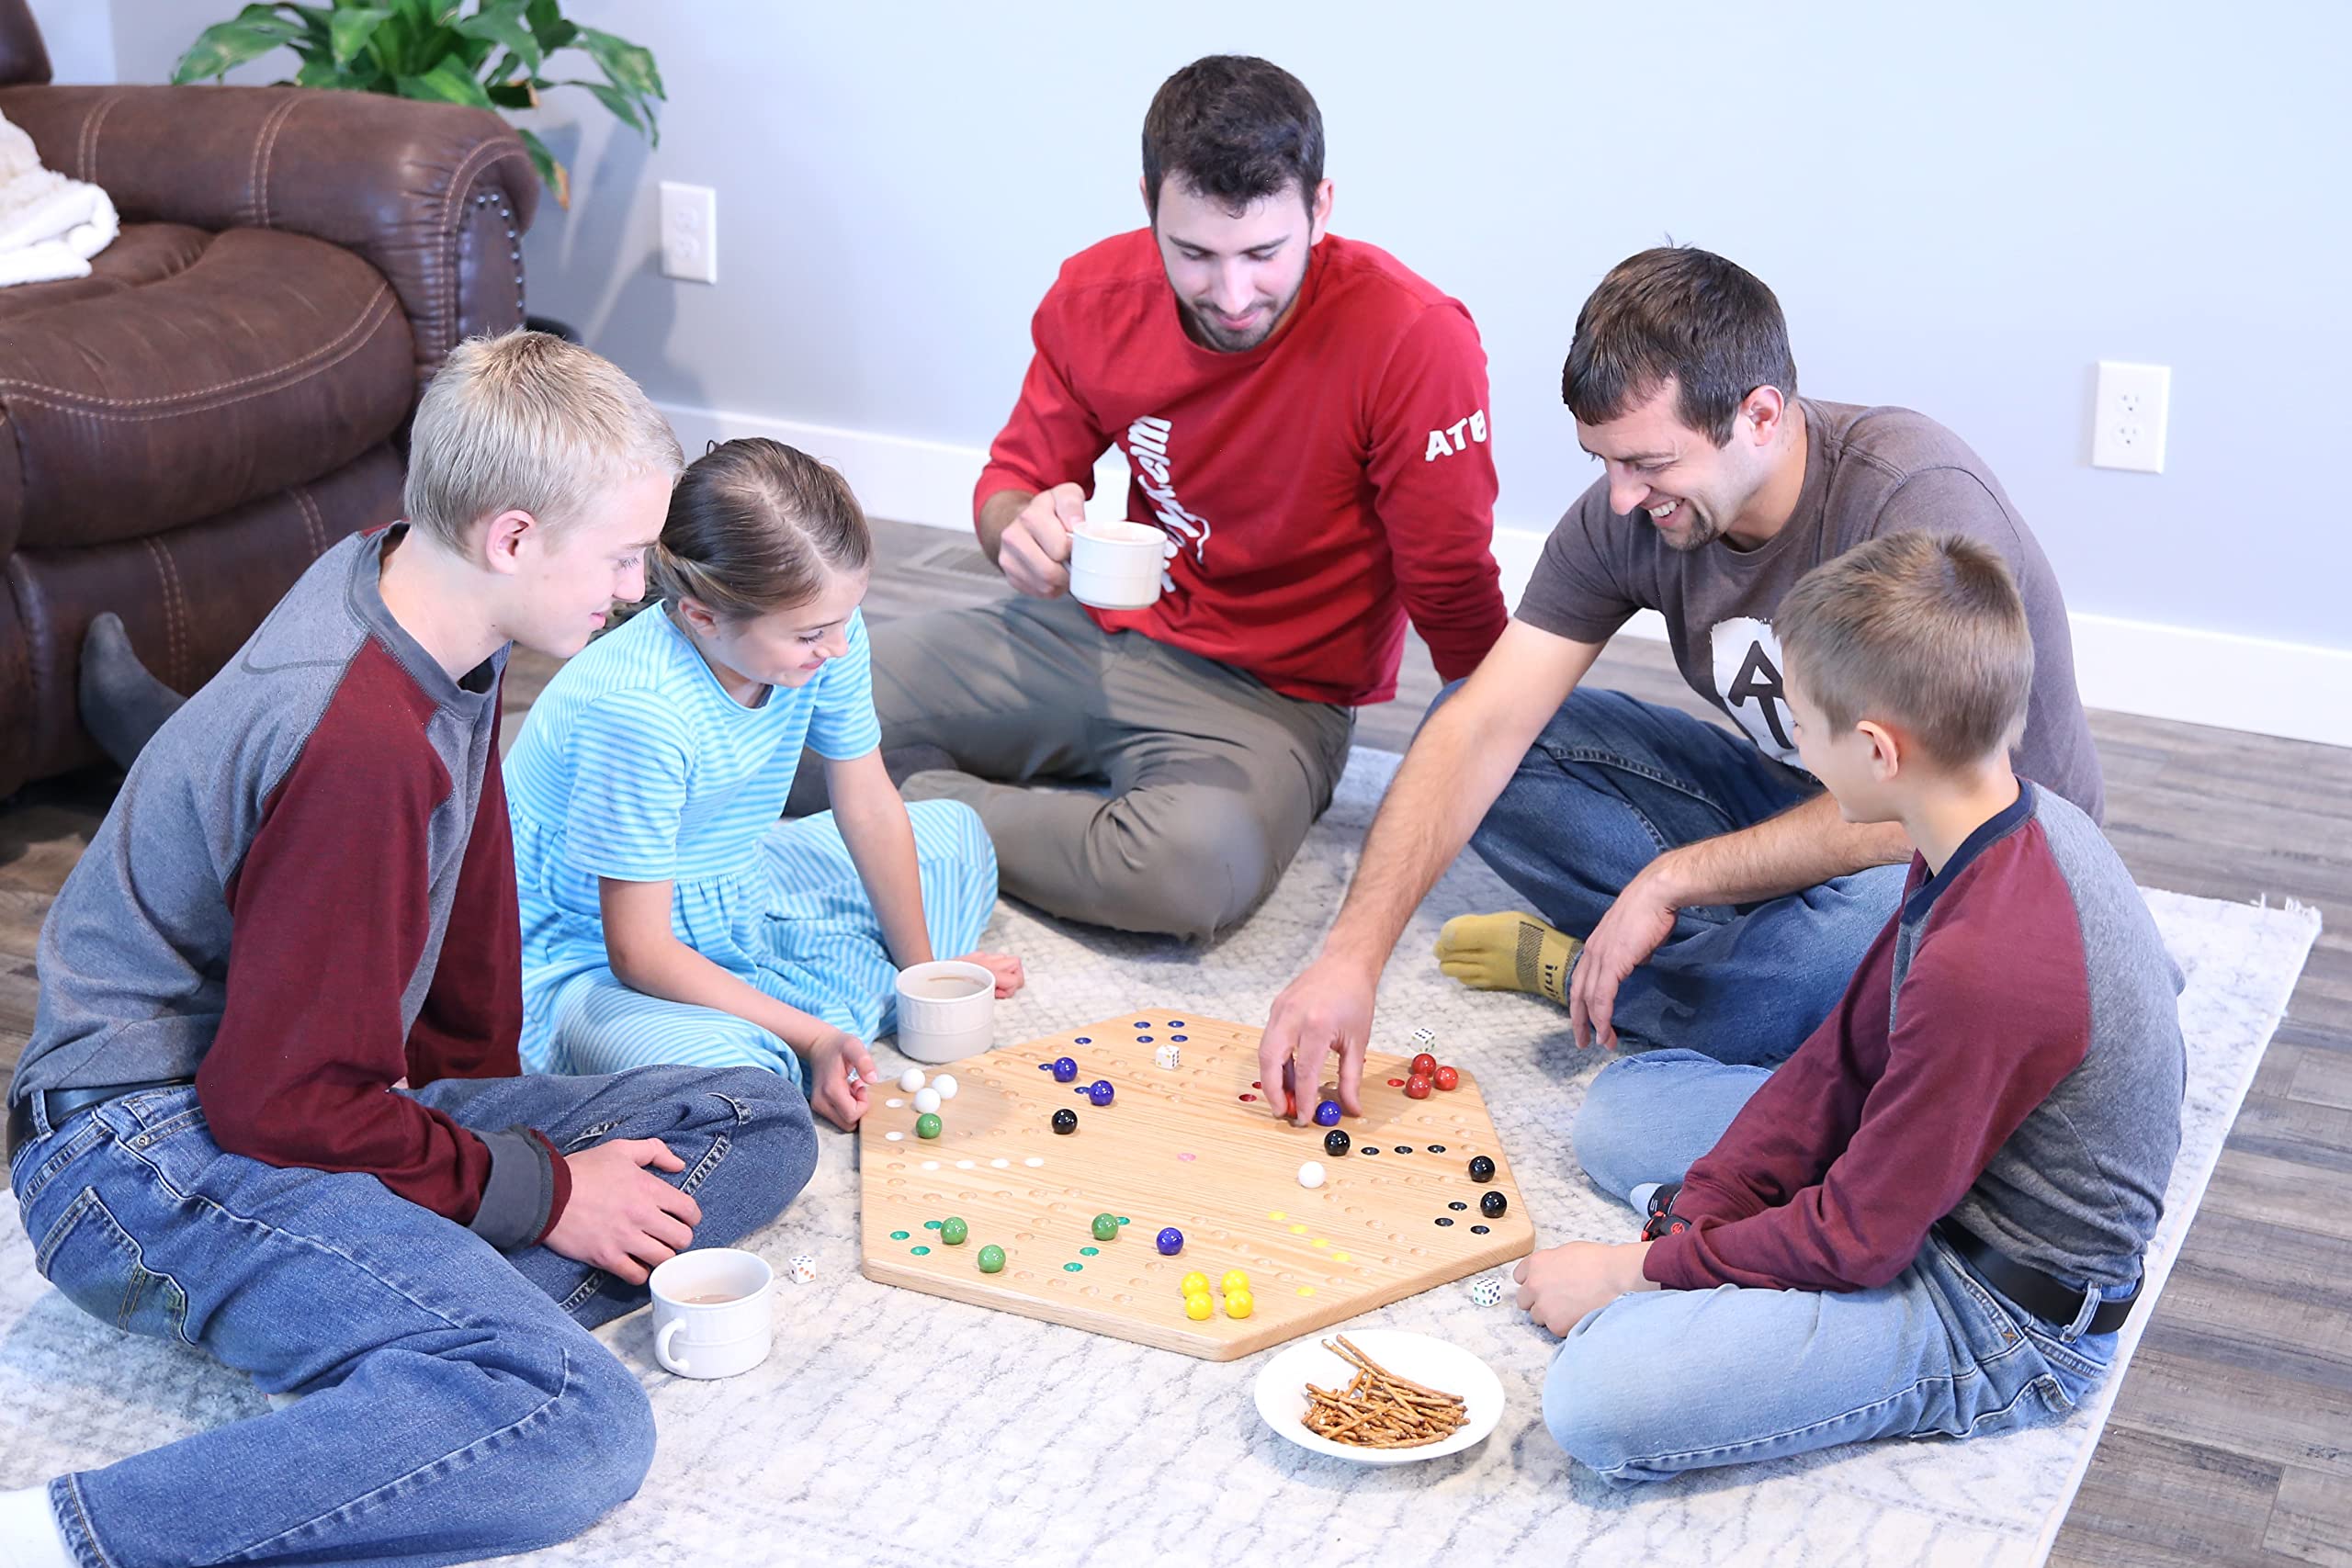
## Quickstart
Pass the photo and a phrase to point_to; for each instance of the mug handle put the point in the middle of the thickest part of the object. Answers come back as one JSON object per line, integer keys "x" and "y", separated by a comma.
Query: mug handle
{"x": 661, "y": 1345}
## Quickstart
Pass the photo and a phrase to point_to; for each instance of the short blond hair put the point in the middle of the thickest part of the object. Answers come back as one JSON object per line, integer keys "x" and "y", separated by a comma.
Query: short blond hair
{"x": 1923, "y": 631}
{"x": 528, "y": 422}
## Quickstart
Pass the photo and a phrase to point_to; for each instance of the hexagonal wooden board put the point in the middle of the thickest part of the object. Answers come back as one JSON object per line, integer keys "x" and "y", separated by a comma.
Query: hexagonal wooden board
{"x": 1196, "y": 1148}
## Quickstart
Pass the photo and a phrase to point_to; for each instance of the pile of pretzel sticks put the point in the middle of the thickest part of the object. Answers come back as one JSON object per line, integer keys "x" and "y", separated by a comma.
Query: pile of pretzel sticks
{"x": 1378, "y": 1409}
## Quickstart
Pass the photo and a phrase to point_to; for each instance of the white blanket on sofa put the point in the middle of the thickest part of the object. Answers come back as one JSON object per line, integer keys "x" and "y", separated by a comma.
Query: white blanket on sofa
{"x": 49, "y": 226}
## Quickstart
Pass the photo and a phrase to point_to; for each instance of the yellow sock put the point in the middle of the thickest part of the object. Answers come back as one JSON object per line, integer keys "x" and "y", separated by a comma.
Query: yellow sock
{"x": 1509, "y": 952}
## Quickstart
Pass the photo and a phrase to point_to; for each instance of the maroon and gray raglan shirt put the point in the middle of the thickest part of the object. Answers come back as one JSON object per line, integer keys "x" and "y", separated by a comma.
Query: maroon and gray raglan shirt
{"x": 303, "y": 895}
{"x": 2008, "y": 1054}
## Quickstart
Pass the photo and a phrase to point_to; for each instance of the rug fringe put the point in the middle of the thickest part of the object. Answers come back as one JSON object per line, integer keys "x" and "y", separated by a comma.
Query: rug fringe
{"x": 2307, "y": 913}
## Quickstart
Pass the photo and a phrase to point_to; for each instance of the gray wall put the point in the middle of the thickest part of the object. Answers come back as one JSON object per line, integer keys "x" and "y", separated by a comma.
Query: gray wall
{"x": 1961, "y": 208}
{"x": 80, "y": 35}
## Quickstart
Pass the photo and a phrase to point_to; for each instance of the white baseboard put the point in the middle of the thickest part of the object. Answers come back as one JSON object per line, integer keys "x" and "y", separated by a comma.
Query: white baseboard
{"x": 2298, "y": 690}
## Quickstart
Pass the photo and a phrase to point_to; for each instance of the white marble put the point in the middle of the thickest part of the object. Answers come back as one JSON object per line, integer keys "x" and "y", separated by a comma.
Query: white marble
{"x": 1061, "y": 1446}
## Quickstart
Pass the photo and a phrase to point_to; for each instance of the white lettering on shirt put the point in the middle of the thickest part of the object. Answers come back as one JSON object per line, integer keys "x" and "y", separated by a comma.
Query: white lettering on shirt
{"x": 1148, "y": 442}
{"x": 1456, "y": 437}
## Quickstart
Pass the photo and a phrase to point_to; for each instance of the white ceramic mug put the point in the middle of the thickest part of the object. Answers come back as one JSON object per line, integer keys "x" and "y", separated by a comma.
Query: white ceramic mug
{"x": 711, "y": 1313}
{"x": 946, "y": 1010}
{"x": 1115, "y": 565}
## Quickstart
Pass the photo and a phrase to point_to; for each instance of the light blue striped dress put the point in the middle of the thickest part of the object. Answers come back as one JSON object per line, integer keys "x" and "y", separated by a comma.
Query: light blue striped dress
{"x": 635, "y": 764}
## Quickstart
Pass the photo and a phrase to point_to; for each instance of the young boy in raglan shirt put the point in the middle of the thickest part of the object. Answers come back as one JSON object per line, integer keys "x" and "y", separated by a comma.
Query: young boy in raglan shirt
{"x": 1930, "y": 1220}
{"x": 270, "y": 1108}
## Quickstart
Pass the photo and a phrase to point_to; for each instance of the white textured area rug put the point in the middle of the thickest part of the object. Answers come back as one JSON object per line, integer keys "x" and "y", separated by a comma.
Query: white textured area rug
{"x": 893, "y": 1428}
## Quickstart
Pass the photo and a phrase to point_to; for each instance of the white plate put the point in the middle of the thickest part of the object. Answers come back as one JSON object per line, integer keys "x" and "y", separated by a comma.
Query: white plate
{"x": 1433, "y": 1363}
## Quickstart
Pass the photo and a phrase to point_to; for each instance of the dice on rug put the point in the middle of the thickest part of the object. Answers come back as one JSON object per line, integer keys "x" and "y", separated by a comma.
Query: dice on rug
{"x": 801, "y": 1269}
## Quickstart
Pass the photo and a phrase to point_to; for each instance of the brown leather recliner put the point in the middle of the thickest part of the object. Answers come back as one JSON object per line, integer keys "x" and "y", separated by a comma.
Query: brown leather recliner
{"x": 228, "y": 393}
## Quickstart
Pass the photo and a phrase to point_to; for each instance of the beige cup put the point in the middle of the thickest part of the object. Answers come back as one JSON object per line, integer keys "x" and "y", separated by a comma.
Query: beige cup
{"x": 711, "y": 1313}
{"x": 946, "y": 1010}
{"x": 1116, "y": 566}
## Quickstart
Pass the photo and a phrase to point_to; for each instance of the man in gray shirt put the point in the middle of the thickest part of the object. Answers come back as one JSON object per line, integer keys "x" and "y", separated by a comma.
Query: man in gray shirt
{"x": 1695, "y": 886}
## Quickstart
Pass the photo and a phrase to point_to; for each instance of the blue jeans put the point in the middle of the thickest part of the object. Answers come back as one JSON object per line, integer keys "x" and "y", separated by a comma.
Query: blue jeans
{"x": 1612, "y": 783}
{"x": 457, "y": 1407}
{"x": 1661, "y": 1383}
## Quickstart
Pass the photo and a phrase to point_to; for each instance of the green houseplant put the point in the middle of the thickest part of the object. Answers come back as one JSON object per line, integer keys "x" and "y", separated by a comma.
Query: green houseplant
{"x": 494, "y": 58}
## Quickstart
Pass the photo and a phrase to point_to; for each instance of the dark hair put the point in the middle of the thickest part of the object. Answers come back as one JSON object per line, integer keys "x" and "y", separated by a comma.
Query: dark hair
{"x": 753, "y": 526}
{"x": 1680, "y": 312}
{"x": 1235, "y": 127}
{"x": 1924, "y": 631}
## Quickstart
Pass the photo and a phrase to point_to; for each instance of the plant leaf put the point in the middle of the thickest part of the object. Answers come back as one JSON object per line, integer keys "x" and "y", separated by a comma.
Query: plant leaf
{"x": 445, "y": 84}
{"x": 514, "y": 95}
{"x": 624, "y": 109}
{"x": 551, "y": 174}
{"x": 504, "y": 23}
{"x": 627, "y": 65}
{"x": 350, "y": 28}
{"x": 224, "y": 46}
{"x": 636, "y": 113}
{"x": 547, "y": 24}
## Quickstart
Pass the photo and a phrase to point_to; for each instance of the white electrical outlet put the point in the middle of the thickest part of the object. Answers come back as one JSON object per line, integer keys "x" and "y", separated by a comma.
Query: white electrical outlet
{"x": 689, "y": 232}
{"x": 2128, "y": 416}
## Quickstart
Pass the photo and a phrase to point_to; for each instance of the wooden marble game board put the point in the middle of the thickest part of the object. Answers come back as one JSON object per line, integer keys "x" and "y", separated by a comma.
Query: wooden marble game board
{"x": 1182, "y": 1148}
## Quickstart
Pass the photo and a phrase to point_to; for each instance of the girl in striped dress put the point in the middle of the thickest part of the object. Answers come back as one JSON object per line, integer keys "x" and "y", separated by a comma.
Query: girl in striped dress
{"x": 668, "y": 915}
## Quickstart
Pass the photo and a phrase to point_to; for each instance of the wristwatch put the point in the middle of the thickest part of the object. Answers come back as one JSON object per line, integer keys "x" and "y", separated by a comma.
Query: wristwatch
{"x": 1663, "y": 1220}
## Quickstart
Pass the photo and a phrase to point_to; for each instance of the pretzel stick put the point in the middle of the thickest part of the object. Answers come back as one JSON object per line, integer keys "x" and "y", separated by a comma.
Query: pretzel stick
{"x": 1378, "y": 1409}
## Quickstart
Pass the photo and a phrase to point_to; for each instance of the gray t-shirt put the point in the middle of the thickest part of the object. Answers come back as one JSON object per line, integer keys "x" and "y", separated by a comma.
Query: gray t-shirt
{"x": 1867, "y": 472}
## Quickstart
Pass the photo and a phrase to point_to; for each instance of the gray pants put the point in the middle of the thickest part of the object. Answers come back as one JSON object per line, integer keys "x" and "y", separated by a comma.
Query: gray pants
{"x": 1195, "y": 783}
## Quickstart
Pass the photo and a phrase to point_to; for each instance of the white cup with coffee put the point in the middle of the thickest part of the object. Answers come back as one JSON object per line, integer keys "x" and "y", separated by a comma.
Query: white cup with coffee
{"x": 1115, "y": 565}
{"x": 712, "y": 1315}
{"x": 946, "y": 1010}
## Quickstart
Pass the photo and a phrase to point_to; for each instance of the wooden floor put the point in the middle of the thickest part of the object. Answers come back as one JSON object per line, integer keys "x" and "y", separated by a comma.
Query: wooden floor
{"x": 2232, "y": 1438}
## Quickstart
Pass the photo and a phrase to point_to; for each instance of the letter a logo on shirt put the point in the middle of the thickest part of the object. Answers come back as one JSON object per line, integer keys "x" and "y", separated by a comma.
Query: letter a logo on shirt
{"x": 1747, "y": 683}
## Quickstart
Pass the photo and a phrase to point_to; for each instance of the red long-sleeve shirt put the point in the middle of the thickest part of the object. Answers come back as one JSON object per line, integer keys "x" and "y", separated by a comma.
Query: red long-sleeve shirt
{"x": 1320, "y": 488}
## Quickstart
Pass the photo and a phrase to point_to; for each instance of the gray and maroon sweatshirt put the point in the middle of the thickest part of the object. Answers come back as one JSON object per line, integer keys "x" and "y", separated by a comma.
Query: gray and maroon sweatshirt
{"x": 2008, "y": 1054}
{"x": 332, "y": 801}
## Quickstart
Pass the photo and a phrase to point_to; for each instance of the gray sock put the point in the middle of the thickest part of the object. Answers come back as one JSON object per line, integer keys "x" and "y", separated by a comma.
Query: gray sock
{"x": 123, "y": 704}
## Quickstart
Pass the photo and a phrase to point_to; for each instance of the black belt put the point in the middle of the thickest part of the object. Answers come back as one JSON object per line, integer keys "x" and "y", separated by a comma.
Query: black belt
{"x": 57, "y": 1104}
{"x": 2050, "y": 1300}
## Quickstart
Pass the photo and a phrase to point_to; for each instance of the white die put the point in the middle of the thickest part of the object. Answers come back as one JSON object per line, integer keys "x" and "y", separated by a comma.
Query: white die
{"x": 1424, "y": 1039}
{"x": 802, "y": 1269}
{"x": 1486, "y": 1292}
{"x": 1166, "y": 1056}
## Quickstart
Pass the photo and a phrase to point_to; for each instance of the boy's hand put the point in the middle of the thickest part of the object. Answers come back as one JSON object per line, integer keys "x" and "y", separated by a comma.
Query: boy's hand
{"x": 1560, "y": 1284}
{"x": 832, "y": 1093}
{"x": 622, "y": 1218}
{"x": 1009, "y": 976}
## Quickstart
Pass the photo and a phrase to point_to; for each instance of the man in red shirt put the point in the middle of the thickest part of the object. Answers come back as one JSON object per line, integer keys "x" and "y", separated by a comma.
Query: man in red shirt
{"x": 1305, "y": 421}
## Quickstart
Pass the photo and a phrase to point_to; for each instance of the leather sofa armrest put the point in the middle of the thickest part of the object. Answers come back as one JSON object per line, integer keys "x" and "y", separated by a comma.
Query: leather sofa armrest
{"x": 436, "y": 197}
